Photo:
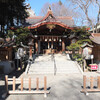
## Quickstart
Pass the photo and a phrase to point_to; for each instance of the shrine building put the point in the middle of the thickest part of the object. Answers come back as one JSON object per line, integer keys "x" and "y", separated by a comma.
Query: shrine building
{"x": 49, "y": 34}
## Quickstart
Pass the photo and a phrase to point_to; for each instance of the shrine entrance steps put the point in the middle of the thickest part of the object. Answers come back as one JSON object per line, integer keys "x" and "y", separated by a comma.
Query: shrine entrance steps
{"x": 52, "y": 64}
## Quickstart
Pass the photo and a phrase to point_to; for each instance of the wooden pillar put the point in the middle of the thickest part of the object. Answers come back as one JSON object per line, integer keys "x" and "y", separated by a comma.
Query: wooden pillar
{"x": 91, "y": 82}
{"x": 98, "y": 82}
{"x": 6, "y": 82}
{"x": 14, "y": 83}
{"x": 63, "y": 45}
{"x": 36, "y": 46}
{"x": 45, "y": 83}
{"x": 37, "y": 84}
{"x": 21, "y": 84}
{"x": 39, "y": 46}
{"x": 29, "y": 83}
{"x": 51, "y": 42}
{"x": 84, "y": 82}
{"x": 31, "y": 44}
{"x": 30, "y": 56}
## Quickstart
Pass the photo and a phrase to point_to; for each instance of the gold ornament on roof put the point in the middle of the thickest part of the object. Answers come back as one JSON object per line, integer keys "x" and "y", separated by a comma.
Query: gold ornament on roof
{"x": 51, "y": 26}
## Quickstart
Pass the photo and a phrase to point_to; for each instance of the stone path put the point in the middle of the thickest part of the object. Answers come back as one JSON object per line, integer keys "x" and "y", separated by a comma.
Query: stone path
{"x": 66, "y": 86}
{"x": 63, "y": 87}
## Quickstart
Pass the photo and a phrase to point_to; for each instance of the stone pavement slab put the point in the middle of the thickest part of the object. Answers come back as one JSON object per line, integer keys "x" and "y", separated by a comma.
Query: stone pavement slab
{"x": 63, "y": 87}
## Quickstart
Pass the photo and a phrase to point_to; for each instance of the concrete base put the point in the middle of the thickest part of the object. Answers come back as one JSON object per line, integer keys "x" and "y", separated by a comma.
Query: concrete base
{"x": 99, "y": 66}
{"x": 7, "y": 66}
{"x": 98, "y": 63}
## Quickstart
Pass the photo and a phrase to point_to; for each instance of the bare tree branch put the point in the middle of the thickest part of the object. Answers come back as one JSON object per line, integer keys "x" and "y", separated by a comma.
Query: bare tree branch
{"x": 84, "y": 6}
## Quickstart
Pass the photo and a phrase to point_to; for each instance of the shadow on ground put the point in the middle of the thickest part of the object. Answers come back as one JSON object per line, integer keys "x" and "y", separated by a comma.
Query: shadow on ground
{"x": 2, "y": 81}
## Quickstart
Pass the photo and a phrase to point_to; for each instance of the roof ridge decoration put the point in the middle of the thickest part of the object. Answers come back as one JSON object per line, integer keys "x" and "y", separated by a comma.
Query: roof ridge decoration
{"x": 49, "y": 16}
{"x": 49, "y": 9}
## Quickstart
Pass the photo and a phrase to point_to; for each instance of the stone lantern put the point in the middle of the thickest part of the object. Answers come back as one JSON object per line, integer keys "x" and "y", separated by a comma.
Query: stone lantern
{"x": 31, "y": 44}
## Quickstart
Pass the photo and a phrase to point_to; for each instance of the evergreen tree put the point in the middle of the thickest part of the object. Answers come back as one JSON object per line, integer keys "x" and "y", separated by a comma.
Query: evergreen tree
{"x": 12, "y": 13}
{"x": 19, "y": 35}
{"x": 83, "y": 37}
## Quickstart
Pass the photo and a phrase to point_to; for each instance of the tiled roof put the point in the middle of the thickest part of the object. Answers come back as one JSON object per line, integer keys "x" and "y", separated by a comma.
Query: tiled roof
{"x": 7, "y": 43}
{"x": 1, "y": 40}
{"x": 32, "y": 20}
{"x": 49, "y": 18}
{"x": 86, "y": 45}
{"x": 95, "y": 38}
{"x": 66, "y": 21}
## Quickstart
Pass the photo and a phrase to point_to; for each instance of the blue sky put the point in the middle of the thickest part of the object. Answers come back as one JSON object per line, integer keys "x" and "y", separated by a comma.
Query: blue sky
{"x": 36, "y": 5}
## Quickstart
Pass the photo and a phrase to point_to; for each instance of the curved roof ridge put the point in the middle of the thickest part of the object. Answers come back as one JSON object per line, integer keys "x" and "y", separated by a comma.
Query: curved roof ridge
{"x": 65, "y": 17}
{"x": 43, "y": 23}
{"x": 35, "y": 17}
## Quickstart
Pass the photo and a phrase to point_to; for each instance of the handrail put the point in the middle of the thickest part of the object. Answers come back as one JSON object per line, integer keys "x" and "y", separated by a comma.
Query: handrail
{"x": 27, "y": 68}
{"x": 55, "y": 68}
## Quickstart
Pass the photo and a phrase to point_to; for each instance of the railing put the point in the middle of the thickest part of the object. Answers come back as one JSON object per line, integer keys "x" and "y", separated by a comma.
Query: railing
{"x": 55, "y": 68}
{"x": 28, "y": 67}
{"x": 13, "y": 82}
{"x": 91, "y": 87}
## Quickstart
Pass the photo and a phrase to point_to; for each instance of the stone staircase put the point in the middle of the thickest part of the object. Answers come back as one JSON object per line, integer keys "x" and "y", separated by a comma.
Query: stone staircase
{"x": 65, "y": 65}
{"x": 50, "y": 64}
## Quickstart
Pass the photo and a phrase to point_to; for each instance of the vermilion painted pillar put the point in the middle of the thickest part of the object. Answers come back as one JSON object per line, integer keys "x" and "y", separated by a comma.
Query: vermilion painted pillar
{"x": 63, "y": 45}
{"x": 37, "y": 46}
